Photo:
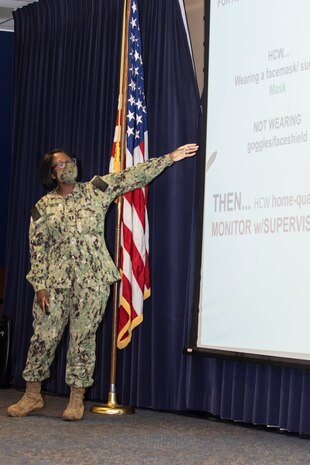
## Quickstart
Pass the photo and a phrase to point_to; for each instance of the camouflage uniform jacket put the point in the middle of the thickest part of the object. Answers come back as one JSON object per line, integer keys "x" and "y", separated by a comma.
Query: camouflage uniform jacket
{"x": 66, "y": 234}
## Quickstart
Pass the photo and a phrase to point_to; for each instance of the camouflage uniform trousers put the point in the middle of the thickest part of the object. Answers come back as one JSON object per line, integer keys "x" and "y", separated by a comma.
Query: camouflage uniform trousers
{"x": 84, "y": 309}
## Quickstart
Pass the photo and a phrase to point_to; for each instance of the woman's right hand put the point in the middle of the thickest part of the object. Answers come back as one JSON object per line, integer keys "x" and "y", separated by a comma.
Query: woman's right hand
{"x": 42, "y": 297}
{"x": 187, "y": 150}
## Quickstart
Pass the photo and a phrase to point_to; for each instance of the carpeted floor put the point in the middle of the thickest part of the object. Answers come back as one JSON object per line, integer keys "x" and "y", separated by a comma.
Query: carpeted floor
{"x": 145, "y": 438}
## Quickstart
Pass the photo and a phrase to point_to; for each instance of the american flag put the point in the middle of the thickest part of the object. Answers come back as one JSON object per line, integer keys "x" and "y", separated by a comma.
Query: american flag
{"x": 134, "y": 248}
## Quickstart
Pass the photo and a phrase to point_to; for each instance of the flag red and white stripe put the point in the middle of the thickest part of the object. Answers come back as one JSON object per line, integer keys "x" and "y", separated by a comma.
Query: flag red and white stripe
{"x": 134, "y": 242}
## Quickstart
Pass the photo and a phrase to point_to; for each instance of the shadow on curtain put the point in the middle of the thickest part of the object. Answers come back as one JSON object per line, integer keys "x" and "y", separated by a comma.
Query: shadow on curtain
{"x": 65, "y": 95}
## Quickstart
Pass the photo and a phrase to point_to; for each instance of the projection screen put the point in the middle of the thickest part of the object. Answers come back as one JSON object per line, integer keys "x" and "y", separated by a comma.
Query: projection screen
{"x": 254, "y": 293}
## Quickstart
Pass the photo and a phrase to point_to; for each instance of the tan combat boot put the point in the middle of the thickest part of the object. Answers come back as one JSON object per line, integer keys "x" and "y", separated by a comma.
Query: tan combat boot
{"x": 75, "y": 407}
{"x": 30, "y": 402}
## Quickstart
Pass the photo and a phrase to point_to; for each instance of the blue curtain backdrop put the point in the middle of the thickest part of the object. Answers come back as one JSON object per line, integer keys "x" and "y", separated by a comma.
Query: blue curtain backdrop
{"x": 65, "y": 94}
{"x": 6, "y": 90}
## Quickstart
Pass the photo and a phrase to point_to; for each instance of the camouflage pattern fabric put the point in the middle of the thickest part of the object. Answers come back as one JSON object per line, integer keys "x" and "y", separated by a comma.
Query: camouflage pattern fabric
{"x": 69, "y": 258}
{"x": 67, "y": 233}
{"x": 84, "y": 309}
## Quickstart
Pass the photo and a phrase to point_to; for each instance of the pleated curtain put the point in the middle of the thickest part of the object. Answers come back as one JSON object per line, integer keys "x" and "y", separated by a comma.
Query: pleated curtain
{"x": 66, "y": 76}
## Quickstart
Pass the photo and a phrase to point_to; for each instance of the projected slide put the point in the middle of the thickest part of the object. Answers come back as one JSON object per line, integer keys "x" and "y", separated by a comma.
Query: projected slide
{"x": 255, "y": 285}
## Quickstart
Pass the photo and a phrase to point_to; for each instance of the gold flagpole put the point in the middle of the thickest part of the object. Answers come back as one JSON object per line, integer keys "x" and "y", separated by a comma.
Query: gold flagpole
{"x": 112, "y": 407}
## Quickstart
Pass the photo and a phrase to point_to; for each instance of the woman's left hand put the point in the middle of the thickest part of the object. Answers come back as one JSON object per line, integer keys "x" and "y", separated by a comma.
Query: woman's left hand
{"x": 187, "y": 150}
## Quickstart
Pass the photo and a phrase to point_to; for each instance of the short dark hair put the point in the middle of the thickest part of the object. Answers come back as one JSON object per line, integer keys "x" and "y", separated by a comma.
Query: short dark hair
{"x": 46, "y": 169}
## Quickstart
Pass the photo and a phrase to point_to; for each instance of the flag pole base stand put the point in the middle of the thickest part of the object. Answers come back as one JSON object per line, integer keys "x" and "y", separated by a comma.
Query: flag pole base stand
{"x": 112, "y": 407}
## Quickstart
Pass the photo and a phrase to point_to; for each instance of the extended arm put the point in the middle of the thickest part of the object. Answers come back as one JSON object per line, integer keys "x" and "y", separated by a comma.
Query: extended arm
{"x": 140, "y": 175}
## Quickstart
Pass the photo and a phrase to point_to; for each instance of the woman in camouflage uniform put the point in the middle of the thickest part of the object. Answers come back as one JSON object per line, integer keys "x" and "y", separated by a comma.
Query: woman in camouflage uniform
{"x": 71, "y": 269}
